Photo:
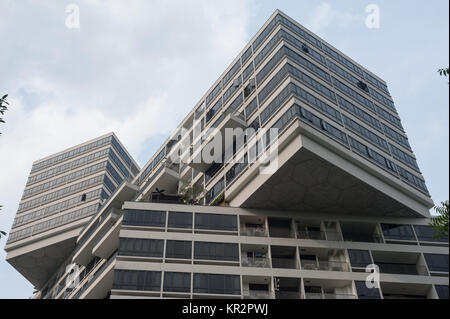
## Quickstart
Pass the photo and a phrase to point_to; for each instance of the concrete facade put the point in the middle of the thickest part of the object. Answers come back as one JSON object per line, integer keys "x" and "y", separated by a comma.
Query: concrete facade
{"x": 346, "y": 192}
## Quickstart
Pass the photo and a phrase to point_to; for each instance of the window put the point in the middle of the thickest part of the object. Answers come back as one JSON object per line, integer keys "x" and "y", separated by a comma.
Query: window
{"x": 442, "y": 291}
{"x": 251, "y": 108}
{"x": 437, "y": 262}
{"x": 398, "y": 232}
{"x": 359, "y": 258}
{"x": 217, "y": 284}
{"x": 178, "y": 249}
{"x": 137, "y": 280}
{"x": 177, "y": 282}
{"x": 216, "y": 222}
{"x": 366, "y": 293}
{"x": 141, "y": 247}
{"x": 426, "y": 233}
{"x": 216, "y": 251}
{"x": 180, "y": 220}
{"x": 144, "y": 218}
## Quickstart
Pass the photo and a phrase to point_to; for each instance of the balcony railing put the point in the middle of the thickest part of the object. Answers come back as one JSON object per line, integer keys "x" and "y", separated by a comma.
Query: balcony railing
{"x": 402, "y": 269}
{"x": 94, "y": 276}
{"x": 286, "y": 263}
{"x": 287, "y": 295}
{"x": 256, "y": 262}
{"x": 319, "y": 235}
{"x": 256, "y": 294}
{"x": 255, "y": 232}
{"x": 373, "y": 238}
{"x": 318, "y": 295}
{"x": 325, "y": 265}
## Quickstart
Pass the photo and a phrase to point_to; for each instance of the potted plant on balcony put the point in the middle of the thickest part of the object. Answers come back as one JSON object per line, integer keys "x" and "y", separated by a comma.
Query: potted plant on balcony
{"x": 191, "y": 194}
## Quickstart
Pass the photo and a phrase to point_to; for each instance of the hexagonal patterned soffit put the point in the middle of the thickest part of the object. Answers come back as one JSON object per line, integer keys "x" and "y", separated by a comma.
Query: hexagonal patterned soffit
{"x": 309, "y": 183}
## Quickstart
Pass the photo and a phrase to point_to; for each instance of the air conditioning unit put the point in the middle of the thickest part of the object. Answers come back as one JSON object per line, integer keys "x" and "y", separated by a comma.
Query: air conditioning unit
{"x": 305, "y": 48}
{"x": 363, "y": 86}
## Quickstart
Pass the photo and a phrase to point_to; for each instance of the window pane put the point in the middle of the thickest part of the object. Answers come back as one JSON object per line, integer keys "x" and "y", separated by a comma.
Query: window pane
{"x": 426, "y": 233}
{"x": 437, "y": 262}
{"x": 137, "y": 280}
{"x": 216, "y": 222}
{"x": 359, "y": 258}
{"x": 180, "y": 220}
{"x": 442, "y": 291}
{"x": 141, "y": 247}
{"x": 216, "y": 251}
{"x": 366, "y": 293}
{"x": 217, "y": 284}
{"x": 177, "y": 282}
{"x": 398, "y": 232}
{"x": 144, "y": 218}
{"x": 179, "y": 249}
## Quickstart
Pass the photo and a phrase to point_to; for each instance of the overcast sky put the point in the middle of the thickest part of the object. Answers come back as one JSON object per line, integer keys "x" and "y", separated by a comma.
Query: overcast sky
{"x": 137, "y": 68}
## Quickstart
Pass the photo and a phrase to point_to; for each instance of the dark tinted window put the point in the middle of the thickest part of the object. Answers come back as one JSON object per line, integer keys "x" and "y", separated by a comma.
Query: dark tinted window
{"x": 366, "y": 293}
{"x": 180, "y": 220}
{"x": 137, "y": 280}
{"x": 216, "y": 251}
{"x": 216, "y": 222}
{"x": 144, "y": 218}
{"x": 179, "y": 249}
{"x": 359, "y": 258}
{"x": 426, "y": 233}
{"x": 442, "y": 291}
{"x": 217, "y": 284}
{"x": 399, "y": 232}
{"x": 177, "y": 282}
{"x": 141, "y": 247}
{"x": 437, "y": 262}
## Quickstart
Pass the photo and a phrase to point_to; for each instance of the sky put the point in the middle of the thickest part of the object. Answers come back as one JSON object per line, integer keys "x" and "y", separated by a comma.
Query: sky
{"x": 138, "y": 67}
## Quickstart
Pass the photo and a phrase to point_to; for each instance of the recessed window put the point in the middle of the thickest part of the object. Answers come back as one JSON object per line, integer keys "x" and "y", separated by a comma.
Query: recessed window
{"x": 141, "y": 247}
{"x": 216, "y": 251}
{"x": 216, "y": 222}
{"x": 359, "y": 258}
{"x": 137, "y": 280}
{"x": 144, "y": 218}
{"x": 180, "y": 220}
{"x": 217, "y": 284}
{"x": 437, "y": 262}
{"x": 179, "y": 249}
{"x": 177, "y": 282}
{"x": 398, "y": 232}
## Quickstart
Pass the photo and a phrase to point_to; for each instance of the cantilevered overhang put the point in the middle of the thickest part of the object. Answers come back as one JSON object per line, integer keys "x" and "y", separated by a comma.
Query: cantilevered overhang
{"x": 316, "y": 174}
{"x": 39, "y": 260}
{"x": 164, "y": 178}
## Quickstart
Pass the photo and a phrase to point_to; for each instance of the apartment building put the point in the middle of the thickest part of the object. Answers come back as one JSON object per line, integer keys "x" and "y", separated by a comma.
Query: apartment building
{"x": 62, "y": 193}
{"x": 343, "y": 191}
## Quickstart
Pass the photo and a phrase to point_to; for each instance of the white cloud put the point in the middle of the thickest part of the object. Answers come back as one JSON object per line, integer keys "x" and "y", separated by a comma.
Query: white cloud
{"x": 324, "y": 16}
{"x": 135, "y": 68}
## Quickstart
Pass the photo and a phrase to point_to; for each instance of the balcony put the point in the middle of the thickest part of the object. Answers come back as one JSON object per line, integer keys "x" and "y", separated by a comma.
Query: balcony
{"x": 253, "y": 226}
{"x": 400, "y": 263}
{"x": 229, "y": 119}
{"x": 260, "y": 262}
{"x": 402, "y": 269}
{"x": 166, "y": 178}
{"x": 361, "y": 232}
{"x": 312, "y": 295}
{"x": 319, "y": 235}
{"x": 256, "y": 294}
{"x": 325, "y": 265}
